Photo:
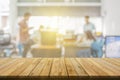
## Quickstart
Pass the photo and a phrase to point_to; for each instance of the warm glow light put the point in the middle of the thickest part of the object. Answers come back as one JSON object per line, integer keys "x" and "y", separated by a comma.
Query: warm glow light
{"x": 64, "y": 23}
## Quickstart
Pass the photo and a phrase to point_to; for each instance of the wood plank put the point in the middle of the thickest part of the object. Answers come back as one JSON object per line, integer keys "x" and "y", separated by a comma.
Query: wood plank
{"x": 110, "y": 69}
{"x": 58, "y": 68}
{"x": 13, "y": 67}
{"x": 30, "y": 67}
{"x": 38, "y": 69}
{"x": 21, "y": 68}
{"x": 102, "y": 68}
{"x": 2, "y": 59}
{"x": 5, "y": 61}
{"x": 55, "y": 67}
{"x": 9, "y": 65}
{"x": 47, "y": 68}
{"x": 70, "y": 68}
{"x": 112, "y": 61}
{"x": 62, "y": 68}
{"x": 91, "y": 68}
{"x": 116, "y": 59}
{"x": 79, "y": 69}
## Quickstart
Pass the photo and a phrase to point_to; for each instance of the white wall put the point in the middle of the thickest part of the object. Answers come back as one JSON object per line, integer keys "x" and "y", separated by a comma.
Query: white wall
{"x": 13, "y": 16}
{"x": 111, "y": 13}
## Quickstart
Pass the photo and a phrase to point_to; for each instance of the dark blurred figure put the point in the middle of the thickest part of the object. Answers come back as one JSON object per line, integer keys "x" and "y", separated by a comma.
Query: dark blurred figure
{"x": 25, "y": 41}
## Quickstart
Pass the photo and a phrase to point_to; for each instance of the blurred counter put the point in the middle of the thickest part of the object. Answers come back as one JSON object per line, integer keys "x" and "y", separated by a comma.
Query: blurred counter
{"x": 72, "y": 48}
{"x": 49, "y": 51}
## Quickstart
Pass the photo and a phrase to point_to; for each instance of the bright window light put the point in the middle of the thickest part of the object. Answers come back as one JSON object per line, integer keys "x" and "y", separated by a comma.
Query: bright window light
{"x": 64, "y": 23}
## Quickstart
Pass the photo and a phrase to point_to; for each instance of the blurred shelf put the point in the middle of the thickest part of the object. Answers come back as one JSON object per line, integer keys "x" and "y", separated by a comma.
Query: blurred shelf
{"x": 37, "y": 4}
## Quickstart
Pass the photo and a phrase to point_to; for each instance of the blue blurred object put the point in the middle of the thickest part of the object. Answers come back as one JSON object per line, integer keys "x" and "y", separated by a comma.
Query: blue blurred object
{"x": 96, "y": 47}
{"x": 20, "y": 48}
{"x": 7, "y": 52}
{"x": 112, "y": 46}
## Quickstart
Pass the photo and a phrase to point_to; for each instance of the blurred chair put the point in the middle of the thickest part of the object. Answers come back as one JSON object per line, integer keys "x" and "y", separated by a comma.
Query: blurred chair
{"x": 5, "y": 42}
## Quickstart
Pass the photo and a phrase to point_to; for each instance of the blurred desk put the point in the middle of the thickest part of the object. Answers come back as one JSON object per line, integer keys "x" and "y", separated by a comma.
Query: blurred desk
{"x": 49, "y": 51}
{"x": 72, "y": 48}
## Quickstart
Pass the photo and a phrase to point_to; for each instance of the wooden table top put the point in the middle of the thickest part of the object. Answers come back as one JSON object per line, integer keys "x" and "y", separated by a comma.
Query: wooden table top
{"x": 60, "y": 68}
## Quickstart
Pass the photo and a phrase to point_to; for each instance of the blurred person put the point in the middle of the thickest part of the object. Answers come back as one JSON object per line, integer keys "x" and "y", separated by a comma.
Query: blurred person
{"x": 95, "y": 44}
{"x": 24, "y": 41}
{"x": 88, "y": 26}
{"x": 86, "y": 39}
{"x": 96, "y": 47}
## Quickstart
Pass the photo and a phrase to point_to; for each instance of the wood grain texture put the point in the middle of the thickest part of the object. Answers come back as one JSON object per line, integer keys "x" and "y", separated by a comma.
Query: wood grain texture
{"x": 30, "y": 67}
{"x": 37, "y": 68}
{"x": 58, "y": 68}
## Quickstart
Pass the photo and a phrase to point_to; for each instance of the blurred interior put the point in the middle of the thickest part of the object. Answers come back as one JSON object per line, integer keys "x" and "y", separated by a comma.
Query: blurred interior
{"x": 62, "y": 22}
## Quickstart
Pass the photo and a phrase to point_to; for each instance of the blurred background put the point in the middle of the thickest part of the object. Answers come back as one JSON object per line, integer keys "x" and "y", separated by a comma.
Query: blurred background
{"x": 63, "y": 23}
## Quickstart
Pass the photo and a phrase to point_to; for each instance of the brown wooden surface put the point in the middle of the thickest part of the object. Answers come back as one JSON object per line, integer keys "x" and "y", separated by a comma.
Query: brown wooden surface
{"x": 68, "y": 68}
